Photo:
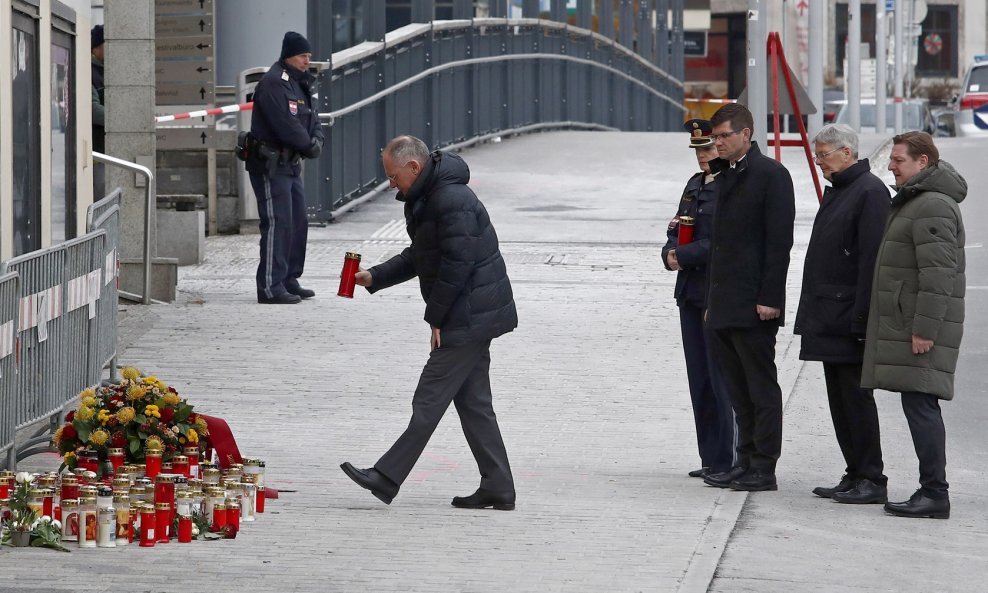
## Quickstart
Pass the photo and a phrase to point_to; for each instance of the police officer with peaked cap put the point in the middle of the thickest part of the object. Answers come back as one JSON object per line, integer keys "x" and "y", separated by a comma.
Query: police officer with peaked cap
{"x": 286, "y": 126}
{"x": 712, "y": 412}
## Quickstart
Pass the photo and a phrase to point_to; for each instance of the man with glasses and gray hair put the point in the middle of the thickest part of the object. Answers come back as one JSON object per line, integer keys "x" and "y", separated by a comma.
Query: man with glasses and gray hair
{"x": 746, "y": 295}
{"x": 833, "y": 307}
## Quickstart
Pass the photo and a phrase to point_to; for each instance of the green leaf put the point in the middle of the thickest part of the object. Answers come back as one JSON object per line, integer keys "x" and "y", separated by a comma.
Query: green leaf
{"x": 140, "y": 419}
{"x": 135, "y": 446}
{"x": 84, "y": 432}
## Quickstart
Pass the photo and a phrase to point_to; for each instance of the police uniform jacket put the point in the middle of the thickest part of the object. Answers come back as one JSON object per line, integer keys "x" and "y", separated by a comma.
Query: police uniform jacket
{"x": 455, "y": 254}
{"x": 753, "y": 228}
{"x": 699, "y": 201}
{"x": 833, "y": 305}
{"x": 283, "y": 116}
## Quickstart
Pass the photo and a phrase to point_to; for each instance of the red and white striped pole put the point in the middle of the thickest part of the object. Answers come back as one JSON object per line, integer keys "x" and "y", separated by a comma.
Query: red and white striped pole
{"x": 204, "y": 112}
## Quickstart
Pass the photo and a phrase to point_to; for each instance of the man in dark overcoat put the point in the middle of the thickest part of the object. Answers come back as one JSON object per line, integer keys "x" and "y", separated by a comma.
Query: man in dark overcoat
{"x": 687, "y": 255}
{"x": 833, "y": 307}
{"x": 468, "y": 302}
{"x": 746, "y": 296}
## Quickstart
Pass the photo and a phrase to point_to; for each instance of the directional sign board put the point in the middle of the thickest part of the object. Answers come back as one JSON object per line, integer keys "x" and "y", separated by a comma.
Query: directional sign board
{"x": 183, "y": 25}
{"x": 182, "y": 6}
{"x": 184, "y": 71}
{"x": 184, "y": 138}
{"x": 198, "y": 46}
{"x": 184, "y": 93}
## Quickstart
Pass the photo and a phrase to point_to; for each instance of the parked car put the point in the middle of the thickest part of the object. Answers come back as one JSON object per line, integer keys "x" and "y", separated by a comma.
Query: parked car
{"x": 971, "y": 105}
{"x": 915, "y": 115}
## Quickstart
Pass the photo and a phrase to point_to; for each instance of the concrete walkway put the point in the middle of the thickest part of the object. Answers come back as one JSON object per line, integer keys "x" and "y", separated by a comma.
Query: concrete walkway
{"x": 590, "y": 391}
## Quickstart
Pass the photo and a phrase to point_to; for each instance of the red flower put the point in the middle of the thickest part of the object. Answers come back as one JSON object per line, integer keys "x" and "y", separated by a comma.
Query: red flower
{"x": 166, "y": 415}
{"x": 68, "y": 432}
{"x": 70, "y": 416}
{"x": 192, "y": 418}
{"x": 118, "y": 440}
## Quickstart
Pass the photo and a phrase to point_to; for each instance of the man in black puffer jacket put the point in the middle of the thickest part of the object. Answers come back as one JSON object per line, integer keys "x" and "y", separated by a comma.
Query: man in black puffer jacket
{"x": 464, "y": 283}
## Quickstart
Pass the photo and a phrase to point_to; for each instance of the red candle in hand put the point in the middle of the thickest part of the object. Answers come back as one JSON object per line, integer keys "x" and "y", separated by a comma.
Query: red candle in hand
{"x": 348, "y": 278}
{"x": 685, "y": 230}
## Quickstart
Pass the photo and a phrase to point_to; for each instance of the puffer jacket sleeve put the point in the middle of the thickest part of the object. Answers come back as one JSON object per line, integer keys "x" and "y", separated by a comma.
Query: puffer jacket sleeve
{"x": 459, "y": 232}
{"x": 396, "y": 270}
{"x": 934, "y": 231}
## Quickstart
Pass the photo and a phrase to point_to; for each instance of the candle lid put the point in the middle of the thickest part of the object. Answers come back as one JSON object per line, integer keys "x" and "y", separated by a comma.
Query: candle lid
{"x": 352, "y": 255}
{"x": 70, "y": 502}
{"x": 163, "y": 506}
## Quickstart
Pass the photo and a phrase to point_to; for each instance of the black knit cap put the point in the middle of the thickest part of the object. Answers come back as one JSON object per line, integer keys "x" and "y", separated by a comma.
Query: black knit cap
{"x": 293, "y": 45}
{"x": 96, "y": 37}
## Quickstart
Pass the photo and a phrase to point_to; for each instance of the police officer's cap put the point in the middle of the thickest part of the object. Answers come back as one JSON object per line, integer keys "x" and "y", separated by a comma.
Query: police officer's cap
{"x": 700, "y": 130}
{"x": 294, "y": 44}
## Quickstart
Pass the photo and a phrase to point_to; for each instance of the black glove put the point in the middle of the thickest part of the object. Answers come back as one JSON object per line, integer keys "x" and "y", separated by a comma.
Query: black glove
{"x": 314, "y": 150}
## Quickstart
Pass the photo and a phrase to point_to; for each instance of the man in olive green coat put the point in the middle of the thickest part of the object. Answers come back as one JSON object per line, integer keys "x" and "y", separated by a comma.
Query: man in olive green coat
{"x": 916, "y": 317}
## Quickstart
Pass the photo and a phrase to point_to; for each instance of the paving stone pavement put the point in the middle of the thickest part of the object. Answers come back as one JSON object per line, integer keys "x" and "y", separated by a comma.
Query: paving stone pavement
{"x": 590, "y": 392}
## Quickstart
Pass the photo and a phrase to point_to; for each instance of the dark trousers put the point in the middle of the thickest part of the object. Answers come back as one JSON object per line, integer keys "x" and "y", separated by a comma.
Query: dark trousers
{"x": 855, "y": 417}
{"x": 929, "y": 439}
{"x": 747, "y": 359}
{"x": 284, "y": 230}
{"x": 712, "y": 411}
{"x": 459, "y": 375}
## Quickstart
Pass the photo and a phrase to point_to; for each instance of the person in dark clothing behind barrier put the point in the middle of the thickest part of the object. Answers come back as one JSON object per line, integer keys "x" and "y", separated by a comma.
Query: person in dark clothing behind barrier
{"x": 99, "y": 111}
{"x": 712, "y": 411}
{"x": 286, "y": 127}
{"x": 746, "y": 297}
{"x": 833, "y": 307}
{"x": 464, "y": 283}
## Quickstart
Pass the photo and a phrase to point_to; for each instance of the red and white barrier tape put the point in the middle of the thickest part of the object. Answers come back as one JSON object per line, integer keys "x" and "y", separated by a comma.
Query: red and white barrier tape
{"x": 204, "y": 112}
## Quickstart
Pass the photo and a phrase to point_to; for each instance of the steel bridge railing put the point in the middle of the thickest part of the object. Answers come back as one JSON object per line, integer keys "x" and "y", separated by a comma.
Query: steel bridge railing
{"x": 453, "y": 83}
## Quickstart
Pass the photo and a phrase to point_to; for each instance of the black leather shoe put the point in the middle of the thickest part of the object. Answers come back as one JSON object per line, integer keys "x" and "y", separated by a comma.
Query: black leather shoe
{"x": 699, "y": 473}
{"x": 920, "y": 506}
{"x": 379, "y": 484}
{"x": 724, "y": 479}
{"x": 281, "y": 299}
{"x": 481, "y": 499}
{"x": 300, "y": 292}
{"x": 755, "y": 481}
{"x": 846, "y": 483}
{"x": 864, "y": 492}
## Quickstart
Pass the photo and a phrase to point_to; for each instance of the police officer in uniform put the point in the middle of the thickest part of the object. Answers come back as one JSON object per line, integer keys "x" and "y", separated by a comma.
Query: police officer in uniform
{"x": 286, "y": 128}
{"x": 712, "y": 412}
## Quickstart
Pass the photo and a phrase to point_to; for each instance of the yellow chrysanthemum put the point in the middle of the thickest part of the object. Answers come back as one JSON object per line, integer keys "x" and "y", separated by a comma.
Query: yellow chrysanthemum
{"x": 151, "y": 380}
{"x": 162, "y": 386}
{"x": 89, "y": 401}
{"x": 85, "y": 413}
{"x": 152, "y": 410}
{"x": 136, "y": 392}
{"x": 68, "y": 455}
{"x": 99, "y": 437}
{"x": 56, "y": 439}
{"x": 87, "y": 392}
{"x": 192, "y": 435}
{"x": 104, "y": 416}
{"x": 126, "y": 414}
{"x": 130, "y": 373}
{"x": 153, "y": 442}
{"x": 171, "y": 399}
{"x": 200, "y": 425}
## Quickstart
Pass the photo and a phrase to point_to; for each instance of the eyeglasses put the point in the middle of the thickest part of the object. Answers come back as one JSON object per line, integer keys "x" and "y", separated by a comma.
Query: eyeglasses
{"x": 820, "y": 157}
{"x": 716, "y": 137}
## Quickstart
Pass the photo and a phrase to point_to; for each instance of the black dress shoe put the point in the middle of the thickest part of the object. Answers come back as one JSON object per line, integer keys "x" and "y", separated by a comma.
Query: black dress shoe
{"x": 281, "y": 299}
{"x": 724, "y": 479}
{"x": 300, "y": 292}
{"x": 846, "y": 483}
{"x": 920, "y": 506}
{"x": 699, "y": 473}
{"x": 481, "y": 499}
{"x": 756, "y": 480}
{"x": 379, "y": 484}
{"x": 864, "y": 492}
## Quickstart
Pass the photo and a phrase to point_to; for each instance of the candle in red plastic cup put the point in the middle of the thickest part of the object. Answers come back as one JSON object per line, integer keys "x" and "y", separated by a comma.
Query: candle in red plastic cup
{"x": 116, "y": 457}
{"x": 148, "y": 523}
{"x": 163, "y": 518}
{"x": 184, "y": 529}
{"x": 685, "y": 230}
{"x": 152, "y": 462}
{"x": 348, "y": 278}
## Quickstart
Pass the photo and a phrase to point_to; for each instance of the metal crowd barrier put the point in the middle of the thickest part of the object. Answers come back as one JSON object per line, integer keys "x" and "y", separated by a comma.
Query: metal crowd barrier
{"x": 58, "y": 329}
{"x": 449, "y": 82}
{"x": 9, "y": 300}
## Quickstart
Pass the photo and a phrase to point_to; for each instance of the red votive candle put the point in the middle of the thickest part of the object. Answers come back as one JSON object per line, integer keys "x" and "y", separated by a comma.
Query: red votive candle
{"x": 180, "y": 465}
{"x": 148, "y": 523}
{"x": 48, "y": 503}
{"x": 184, "y": 529}
{"x": 219, "y": 516}
{"x": 163, "y": 517}
{"x": 685, "y": 235}
{"x": 348, "y": 278}
{"x": 152, "y": 462}
{"x": 116, "y": 457}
